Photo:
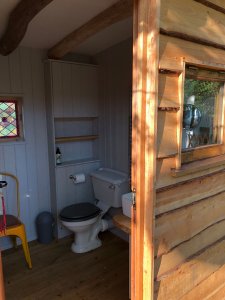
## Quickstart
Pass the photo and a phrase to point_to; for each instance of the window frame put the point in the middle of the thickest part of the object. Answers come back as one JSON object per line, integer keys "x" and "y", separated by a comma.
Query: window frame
{"x": 206, "y": 151}
{"x": 19, "y": 111}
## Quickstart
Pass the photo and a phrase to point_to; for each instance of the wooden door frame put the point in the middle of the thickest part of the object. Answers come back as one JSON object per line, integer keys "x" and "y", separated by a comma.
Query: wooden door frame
{"x": 144, "y": 144}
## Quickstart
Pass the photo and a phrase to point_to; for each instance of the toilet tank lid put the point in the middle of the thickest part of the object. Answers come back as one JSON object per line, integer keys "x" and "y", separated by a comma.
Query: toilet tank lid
{"x": 110, "y": 175}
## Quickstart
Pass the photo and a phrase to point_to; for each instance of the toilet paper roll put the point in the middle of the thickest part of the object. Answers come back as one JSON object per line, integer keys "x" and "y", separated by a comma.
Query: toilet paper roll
{"x": 78, "y": 178}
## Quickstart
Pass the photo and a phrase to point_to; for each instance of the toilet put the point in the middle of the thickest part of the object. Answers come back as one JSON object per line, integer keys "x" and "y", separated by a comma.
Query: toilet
{"x": 86, "y": 219}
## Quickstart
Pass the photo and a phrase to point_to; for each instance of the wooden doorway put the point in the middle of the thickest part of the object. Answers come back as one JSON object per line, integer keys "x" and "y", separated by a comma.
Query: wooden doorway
{"x": 144, "y": 137}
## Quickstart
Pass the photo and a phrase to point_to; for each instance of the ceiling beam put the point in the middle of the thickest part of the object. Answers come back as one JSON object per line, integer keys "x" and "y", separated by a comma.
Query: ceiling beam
{"x": 115, "y": 13}
{"x": 19, "y": 20}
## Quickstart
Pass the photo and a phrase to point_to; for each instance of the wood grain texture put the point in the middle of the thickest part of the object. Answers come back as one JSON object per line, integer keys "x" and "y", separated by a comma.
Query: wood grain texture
{"x": 182, "y": 224}
{"x": 76, "y": 138}
{"x": 192, "y": 273}
{"x": 173, "y": 49}
{"x": 166, "y": 134}
{"x": 182, "y": 194}
{"x": 123, "y": 222}
{"x": 59, "y": 273}
{"x": 168, "y": 90}
{"x": 19, "y": 20}
{"x": 170, "y": 261}
{"x": 117, "y": 12}
{"x": 144, "y": 142}
{"x": 191, "y": 20}
{"x": 211, "y": 5}
{"x": 208, "y": 287}
{"x": 191, "y": 38}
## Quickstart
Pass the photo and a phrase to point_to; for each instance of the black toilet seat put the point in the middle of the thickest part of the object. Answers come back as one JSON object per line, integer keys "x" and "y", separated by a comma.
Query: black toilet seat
{"x": 79, "y": 212}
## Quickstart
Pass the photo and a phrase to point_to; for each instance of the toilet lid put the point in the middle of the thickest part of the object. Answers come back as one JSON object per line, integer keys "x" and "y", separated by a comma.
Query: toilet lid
{"x": 79, "y": 212}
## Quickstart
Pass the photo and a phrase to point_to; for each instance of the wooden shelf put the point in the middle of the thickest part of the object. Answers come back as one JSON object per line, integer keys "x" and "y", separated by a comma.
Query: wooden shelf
{"x": 76, "y": 162}
{"x": 75, "y": 138}
{"x": 122, "y": 222}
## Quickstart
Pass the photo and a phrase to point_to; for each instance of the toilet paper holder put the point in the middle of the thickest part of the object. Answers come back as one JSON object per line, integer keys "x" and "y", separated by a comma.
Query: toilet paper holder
{"x": 77, "y": 178}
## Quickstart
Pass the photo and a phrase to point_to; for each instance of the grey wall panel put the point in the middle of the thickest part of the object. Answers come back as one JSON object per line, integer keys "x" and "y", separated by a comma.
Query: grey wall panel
{"x": 4, "y": 75}
{"x": 28, "y": 159}
{"x": 115, "y": 94}
{"x": 68, "y": 193}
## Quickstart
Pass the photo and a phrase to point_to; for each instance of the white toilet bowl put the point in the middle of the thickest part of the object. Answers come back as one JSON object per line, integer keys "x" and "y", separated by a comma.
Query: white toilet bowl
{"x": 85, "y": 220}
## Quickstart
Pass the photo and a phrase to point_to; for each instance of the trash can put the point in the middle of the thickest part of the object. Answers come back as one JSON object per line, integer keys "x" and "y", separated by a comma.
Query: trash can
{"x": 44, "y": 224}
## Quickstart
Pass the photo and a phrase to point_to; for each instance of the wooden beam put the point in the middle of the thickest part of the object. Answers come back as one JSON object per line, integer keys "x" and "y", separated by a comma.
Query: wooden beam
{"x": 19, "y": 20}
{"x": 191, "y": 38}
{"x": 144, "y": 144}
{"x": 115, "y": 13}
{"x": 211, "y": 5}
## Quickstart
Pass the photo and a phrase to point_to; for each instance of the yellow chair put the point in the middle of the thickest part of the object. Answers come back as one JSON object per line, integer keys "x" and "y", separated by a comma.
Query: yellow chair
{"x": 14, "y": 227}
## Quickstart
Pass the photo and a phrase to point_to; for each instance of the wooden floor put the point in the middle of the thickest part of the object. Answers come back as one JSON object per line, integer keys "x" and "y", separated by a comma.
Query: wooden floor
{"x": 58, "y": 273}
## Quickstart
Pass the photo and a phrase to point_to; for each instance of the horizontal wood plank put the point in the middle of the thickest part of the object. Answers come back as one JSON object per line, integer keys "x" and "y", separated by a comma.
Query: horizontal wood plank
{"x": 75, "y": 138}
{"x": 202, "y": 152}
{"x": 191, "y": 18}
{"x": 172, "y": 48}
{"x": 181, "y": 194}
{"x": 208, "y": 287}
{"x": 171, "y": 261}
{"x": 192, "y": 273}
{"x": 123, "y": 222}
{"x": 183, "y": 224}
{"x": 197, "y": 166}
{"x": 212, "y": 5}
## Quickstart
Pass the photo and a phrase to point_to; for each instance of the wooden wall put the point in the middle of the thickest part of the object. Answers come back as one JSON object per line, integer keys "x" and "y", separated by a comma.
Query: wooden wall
{"x": 115, "y": 85}
{"x": 190, "y": 209}
{"x": 22, "y": 74}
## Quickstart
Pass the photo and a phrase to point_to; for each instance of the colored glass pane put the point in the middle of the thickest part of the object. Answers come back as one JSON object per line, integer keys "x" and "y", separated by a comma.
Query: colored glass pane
{"x": 8, "y": 119}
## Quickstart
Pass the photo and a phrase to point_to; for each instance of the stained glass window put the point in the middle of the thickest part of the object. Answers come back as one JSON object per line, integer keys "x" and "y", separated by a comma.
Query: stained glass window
{"x": 9, "y": 119}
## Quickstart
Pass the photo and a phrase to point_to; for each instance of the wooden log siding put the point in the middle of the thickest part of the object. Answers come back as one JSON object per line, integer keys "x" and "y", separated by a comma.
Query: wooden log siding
{"x": 191, "y": 273}
{"x": 191, "y": 19}
{"x": 184, "y": 223}
{"x": 189, "y": 209}
{"x": 191, "y": 38}
{"x": 209, "y": 287}
{"x": 211, "y": 5}
{"x": 188, "y": 192}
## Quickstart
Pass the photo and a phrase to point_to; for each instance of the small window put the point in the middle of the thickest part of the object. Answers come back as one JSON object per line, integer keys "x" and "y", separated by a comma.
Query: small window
{"x": 10, "y": 119}
{"x": 203, "y": 108}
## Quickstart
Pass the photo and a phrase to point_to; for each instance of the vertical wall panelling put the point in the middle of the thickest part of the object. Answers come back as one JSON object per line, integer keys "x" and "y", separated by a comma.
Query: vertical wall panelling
{"x": 15, "y": 71}
{"x": 72, "y": 111}
{"x": 31, "y": 203}
{"x": 115, "y": 97}
{"x": 4, "y": 75}
{"x": 28, "y": 158}
{"x": 40, "y": 130}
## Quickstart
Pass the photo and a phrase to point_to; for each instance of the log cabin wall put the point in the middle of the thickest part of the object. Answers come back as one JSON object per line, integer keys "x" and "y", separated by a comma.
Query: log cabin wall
{"x": 189, "y": 209}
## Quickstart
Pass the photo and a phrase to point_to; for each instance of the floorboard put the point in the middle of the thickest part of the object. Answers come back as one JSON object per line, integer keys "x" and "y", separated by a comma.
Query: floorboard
{"x": 58, "y": 273}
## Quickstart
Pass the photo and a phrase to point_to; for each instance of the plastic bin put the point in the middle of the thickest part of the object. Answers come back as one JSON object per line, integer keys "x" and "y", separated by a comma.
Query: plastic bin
{"x": 44, "y": 225}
